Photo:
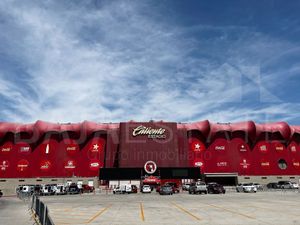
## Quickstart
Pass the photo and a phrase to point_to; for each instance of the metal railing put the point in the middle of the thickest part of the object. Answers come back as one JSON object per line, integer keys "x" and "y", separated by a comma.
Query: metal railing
{"x": 40, "y": 211}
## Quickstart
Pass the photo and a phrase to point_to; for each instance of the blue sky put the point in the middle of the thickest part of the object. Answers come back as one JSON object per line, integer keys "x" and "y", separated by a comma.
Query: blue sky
{"x": 110, "y": 61}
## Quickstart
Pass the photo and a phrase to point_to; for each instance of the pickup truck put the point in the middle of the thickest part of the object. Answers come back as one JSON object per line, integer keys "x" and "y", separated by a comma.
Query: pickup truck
{"x": 198, "y": 188}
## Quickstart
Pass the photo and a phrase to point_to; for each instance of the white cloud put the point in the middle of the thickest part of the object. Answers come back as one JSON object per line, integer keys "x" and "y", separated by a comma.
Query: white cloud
{"x": 115, "y": 63}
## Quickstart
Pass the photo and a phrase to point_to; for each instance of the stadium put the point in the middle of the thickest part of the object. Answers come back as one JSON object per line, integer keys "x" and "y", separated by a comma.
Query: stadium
{"x": 227, "y": 153}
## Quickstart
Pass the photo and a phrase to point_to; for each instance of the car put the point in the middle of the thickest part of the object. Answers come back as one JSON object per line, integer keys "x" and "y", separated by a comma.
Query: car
{"x": 146, "y": 189}
{"x": 186, "y": 187}
{"x": 60, "y": 189}
{"x": 123, "y": 189}
{"x": 166, "y": 190}
{"x": 87, "y": 189}
{"x": 26, "y": 189}
{"x": 248, "y": 187}
{"x": 215, "y": 188}
{"x": 272, "y": 185}
{"x": 198, "y": 188}
{"x": 1, "y": 193}
{"x": 288, "y": 185}
{"x": 48, "y": 189}
{"x": 258, "y": 186}
{"x": 174, "y": 186}
{"x": 73, "y": 189}
{"x": 134, "y": 189}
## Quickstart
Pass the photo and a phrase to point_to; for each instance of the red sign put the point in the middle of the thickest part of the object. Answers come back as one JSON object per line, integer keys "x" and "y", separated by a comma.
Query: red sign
{"x": 150, "y": 167}
{"x": 45, "y": 165}
{"x": 95, "y": 164}
{"x": 197, "y": 145}
{"x": 70, "y": 165}
{"x": 22, "y": 165}
{"x": 4, "y": 165}
{"x": 152, "y": 180}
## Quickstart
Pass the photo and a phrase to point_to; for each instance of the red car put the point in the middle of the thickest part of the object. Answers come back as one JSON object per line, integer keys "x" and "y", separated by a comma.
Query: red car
{"x": 87, "y": 189}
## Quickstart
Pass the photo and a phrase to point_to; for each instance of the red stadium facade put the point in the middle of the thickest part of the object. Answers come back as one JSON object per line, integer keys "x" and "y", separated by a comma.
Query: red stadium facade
{"x": 121, "y": 150}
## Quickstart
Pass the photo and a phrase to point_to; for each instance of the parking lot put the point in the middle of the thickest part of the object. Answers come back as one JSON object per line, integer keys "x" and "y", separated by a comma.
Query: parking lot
{"x": 272, "y": 207}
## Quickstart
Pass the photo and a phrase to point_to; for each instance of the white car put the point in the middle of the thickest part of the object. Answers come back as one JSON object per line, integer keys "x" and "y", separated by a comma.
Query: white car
{"x": 250, "y": 187}
{"x": 123, "y": 189}
{"x": 146, "y": 189}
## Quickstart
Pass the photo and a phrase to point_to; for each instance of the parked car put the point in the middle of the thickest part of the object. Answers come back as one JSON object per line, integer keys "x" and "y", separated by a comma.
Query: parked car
{"x": 258, "y": 186}
{"x": 246, "y": 188}
{"x": 146, "y": 189}
{"x": 48, "y": 189}
{"x": 134, "y": 189}
{"x": 37, "y": 189}
{"x": 272, "y": 185}
{"x": 1, "y": 193}
{"x": 215, "y": 188}
{"x": 174, "y": 186}
{"x": 73, "y": 189}
{"x": 166, "y": 190}
{"x": 287, "y": 185}
{"x": 123, "y": 189}
{"x": 198, "y": 188}
{"x": 26, "y": 189}
{"x": 60, "y": 189}
{"x": 87, "y": 189}
{"x": 186, "y": 187}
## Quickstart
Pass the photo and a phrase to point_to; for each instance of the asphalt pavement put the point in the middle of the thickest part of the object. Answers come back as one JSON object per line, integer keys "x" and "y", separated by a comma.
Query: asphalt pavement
{"x": 14, "y": 211}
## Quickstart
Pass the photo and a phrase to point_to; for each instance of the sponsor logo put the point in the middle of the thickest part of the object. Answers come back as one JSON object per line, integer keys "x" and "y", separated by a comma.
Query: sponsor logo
{"x": 293, "y": 148}
{"x": 243, "y": 148}
{"x": 222, "y": 164}
{"x": 70, "y": 164}
{"x": 265, "y": 164}
{"x": 279, "y": 147}
{"x": 150, "y": 167}
{"x": 263, "y": 148}
{"x": 95, "y": 164}
{"x": 6, "y": 149}
{"x": 22, "y": 165}
{"x": 244, "y": 164}
{"x": 296, "y": 164}
{"x": 152, "y": 133}
{"x": 4, "y": 165}
{"x": 71, "y": 148}
{"x": 198, "y": 164}
{"x": 220, "y": 148}
{"x": 24, "y": 149}
{"x": 45, "y": 165}
{"x": 96, "y": 148}
{"x": 197, "y": 147}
